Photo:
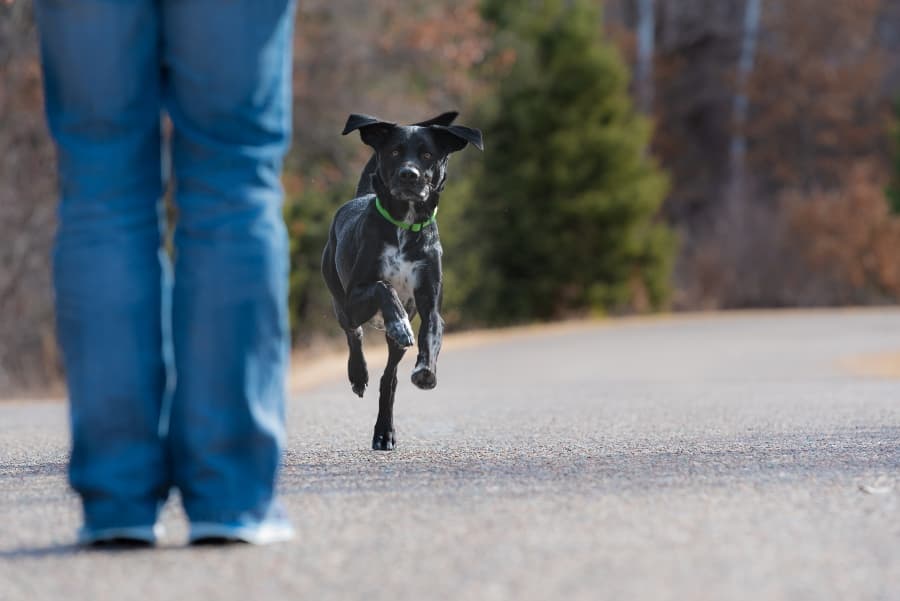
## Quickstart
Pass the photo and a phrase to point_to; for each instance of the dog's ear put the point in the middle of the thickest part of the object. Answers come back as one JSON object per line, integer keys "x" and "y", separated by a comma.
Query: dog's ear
{"x": 372, "y": 130}
{"x": 442, "y": 119}
{"x": 455, "y": 137}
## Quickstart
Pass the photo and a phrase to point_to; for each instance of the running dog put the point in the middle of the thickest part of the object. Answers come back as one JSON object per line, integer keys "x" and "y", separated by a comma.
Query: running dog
{"x": 382, "y": 261}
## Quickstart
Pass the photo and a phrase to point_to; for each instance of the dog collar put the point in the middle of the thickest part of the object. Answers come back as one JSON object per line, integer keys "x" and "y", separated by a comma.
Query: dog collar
{"x": 413, "y": 227}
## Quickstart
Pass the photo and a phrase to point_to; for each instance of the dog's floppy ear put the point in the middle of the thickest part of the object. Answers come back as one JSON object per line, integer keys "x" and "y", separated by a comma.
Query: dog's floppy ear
{"x": 442, "y": 119}
{"x": 455, "y": 137}
{"x": 372, "y": 130}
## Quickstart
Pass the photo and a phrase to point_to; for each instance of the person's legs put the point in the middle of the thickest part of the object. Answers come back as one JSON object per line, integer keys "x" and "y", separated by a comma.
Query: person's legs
{"x": 227, "y": 90}
{"x": 101, "y": 74}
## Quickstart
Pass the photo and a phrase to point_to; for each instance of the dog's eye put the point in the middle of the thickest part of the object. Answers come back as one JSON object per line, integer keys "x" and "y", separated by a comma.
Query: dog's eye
{"x": 426, "y": 156}
{"x": 395, "y": 153}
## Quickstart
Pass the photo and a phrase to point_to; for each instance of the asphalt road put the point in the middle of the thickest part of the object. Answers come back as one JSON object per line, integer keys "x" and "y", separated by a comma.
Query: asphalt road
{"x": 729, "y": 457}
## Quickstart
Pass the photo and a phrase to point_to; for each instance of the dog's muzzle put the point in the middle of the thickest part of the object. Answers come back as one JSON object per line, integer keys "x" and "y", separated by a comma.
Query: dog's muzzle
{"x": 409, "y": 174}
{"x": 415, "y": 194}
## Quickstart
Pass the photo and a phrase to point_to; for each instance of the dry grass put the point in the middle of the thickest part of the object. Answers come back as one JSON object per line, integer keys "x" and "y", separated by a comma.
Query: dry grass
{"x": 873, "y": 365}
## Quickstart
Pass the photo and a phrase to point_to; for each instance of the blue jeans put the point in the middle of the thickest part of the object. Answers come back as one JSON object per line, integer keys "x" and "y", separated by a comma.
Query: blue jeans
{"x": 171, "y": 384}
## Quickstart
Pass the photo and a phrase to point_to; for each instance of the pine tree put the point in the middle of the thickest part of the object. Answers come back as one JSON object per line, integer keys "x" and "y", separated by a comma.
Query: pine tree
{"x": 893, "y": 191}
{"x": 569, "y": 196}
{"x": 307, "y": 214}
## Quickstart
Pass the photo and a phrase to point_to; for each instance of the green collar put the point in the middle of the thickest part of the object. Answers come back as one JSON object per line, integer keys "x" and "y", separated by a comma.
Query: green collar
{"x": 414, "y": 227}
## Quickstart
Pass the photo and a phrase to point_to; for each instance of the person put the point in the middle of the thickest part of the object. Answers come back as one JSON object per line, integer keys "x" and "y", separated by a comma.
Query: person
{"x": 175, "y": 371}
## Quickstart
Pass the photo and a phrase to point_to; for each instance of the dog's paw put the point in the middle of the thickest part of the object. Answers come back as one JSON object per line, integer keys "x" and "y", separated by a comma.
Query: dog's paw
{"x": 359, "y": 376}
{"x": 424, "y": 378}
{"x": 401, "y": 332}
{"x": 383, "y": 440}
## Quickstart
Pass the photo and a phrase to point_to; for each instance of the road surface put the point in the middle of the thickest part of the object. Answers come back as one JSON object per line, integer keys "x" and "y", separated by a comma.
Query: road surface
{"x": 720, "y": 457}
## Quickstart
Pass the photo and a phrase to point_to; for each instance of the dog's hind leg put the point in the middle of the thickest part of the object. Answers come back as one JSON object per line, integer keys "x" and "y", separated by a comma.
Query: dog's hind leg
{"x": 357, "y": 372}
{"x": 383, "y": 439}
{"x": 356, "y": 364}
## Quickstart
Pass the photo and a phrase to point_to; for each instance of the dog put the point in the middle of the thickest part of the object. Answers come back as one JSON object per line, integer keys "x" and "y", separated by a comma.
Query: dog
{"x": 382, "y": 261}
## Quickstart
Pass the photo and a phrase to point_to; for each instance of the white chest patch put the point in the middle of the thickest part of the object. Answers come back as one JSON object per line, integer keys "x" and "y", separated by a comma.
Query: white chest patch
{"x": 402, "y": 275}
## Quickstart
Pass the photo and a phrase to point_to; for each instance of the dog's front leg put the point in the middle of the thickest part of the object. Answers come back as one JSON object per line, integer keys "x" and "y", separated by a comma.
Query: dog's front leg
{"x": 431, "y": 334}
{"x": 365, "y": 300}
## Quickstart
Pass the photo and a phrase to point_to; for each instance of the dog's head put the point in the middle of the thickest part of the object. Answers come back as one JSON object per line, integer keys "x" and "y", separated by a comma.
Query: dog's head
{"x": 412, "y": 159}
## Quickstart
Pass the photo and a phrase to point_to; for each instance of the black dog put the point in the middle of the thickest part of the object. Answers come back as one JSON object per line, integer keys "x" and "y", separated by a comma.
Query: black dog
{"x": 382, "y": 262}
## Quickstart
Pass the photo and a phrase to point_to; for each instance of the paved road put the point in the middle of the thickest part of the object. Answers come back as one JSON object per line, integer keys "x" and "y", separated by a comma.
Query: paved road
{"x": 715, "y": 458}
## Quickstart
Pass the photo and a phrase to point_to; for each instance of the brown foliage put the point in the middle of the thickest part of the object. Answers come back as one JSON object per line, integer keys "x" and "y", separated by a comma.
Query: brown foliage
{"x": 819, "y": 96}
{"x": 399, "y": 60}
{"x": 849, "y": 240}
{"x": 815, "y": 93}
{"x": 27, "y": 210}
{"x": 825, "y": 248}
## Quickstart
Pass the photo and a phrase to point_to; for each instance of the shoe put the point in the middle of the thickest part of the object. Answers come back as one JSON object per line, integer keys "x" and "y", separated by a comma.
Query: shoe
{"x": 265, "y": 533}
{"x": 122, "y": 537}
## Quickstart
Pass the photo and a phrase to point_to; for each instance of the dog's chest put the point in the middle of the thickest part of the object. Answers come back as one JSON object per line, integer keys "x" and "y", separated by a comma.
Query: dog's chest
{"x": 402, "y": 273}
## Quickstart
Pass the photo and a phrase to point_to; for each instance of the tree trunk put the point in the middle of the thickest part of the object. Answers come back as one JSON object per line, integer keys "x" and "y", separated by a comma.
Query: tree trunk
{"x": 646, "y": 28}
{"x": 738, "y": 150}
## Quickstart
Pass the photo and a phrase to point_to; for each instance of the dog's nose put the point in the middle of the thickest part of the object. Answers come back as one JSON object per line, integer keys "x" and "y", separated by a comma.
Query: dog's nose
{"x": 408, "y": 173}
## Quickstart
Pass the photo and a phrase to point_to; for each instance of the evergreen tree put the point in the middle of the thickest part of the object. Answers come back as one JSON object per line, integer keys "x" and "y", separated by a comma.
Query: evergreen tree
{"x": 569, "y": 196}
{"x": 308, "y": 218}
{"x": 893, "y": 191}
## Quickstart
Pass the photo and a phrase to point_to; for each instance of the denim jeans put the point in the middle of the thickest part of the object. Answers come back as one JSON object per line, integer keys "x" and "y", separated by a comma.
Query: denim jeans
{"x": 175, "y": 371}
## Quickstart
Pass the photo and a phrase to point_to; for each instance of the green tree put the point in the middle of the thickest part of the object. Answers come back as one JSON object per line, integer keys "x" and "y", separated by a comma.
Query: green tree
{"x": 568, "y": 196}
{"x": 308, "y": 217}
{"x": 893, "y": 191}
{"x": 467, "y": 274}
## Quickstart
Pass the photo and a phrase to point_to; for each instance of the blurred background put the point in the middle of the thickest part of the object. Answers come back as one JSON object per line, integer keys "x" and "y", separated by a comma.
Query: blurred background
{"x": 640, "y": 155}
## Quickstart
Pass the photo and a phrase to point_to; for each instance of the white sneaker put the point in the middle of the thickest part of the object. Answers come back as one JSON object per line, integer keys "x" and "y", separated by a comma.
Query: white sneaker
{"x": 265, "y": 533}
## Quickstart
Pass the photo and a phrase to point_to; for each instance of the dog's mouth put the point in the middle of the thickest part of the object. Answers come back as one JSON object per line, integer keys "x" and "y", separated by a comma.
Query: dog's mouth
{"x": 417, "y": 196}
